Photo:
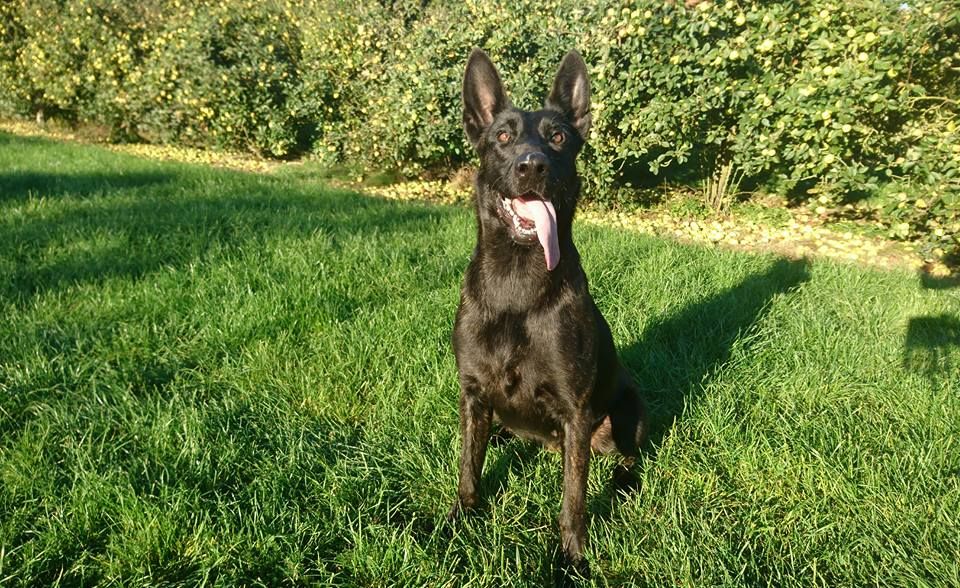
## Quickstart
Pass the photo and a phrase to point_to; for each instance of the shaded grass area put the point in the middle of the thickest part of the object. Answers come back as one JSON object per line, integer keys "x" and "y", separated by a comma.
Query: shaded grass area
{"x": 209, "y": 377}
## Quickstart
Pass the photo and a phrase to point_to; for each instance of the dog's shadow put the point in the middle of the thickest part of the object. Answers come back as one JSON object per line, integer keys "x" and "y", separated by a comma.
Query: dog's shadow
{"x": 509, "y": 453}
{"x": 674, "y": 359}
{"x": 672, "y": 362}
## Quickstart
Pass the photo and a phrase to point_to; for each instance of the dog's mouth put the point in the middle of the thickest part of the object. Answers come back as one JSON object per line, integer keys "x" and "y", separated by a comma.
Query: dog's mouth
{"x": 530, "y": 218}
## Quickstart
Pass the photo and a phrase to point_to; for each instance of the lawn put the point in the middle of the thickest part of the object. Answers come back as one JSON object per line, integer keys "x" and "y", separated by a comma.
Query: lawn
{"x": 218, "y": 378}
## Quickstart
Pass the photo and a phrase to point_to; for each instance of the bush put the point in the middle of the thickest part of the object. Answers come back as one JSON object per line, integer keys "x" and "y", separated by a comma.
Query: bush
{"x": 827, "y": 101}
{"x": 411, "y": 114}
{"x": 832, "y": 100}
{"x": 347, "y": 53}
{"x": 218, "y": 74}
{"x": 801, "y": 93}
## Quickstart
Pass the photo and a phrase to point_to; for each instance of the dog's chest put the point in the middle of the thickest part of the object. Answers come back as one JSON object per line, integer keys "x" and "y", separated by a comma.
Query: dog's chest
{"x": 527, "y": 367}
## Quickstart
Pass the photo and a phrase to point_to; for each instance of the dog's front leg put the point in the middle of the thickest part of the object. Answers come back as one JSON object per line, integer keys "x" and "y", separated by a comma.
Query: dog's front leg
{"x": 475, "y": 417}
{"x": 573, "y": 523}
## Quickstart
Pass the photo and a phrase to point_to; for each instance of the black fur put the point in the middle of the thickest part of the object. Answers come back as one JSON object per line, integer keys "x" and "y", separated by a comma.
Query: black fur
{"x": 533, "y": 351}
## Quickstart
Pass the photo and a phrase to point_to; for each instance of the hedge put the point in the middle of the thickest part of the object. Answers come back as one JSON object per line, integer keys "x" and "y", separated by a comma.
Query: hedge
{"x": 826, "y": 101}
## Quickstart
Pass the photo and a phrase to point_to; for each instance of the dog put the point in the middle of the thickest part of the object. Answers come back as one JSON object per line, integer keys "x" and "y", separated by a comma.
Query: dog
{"x": 533, "y": 351}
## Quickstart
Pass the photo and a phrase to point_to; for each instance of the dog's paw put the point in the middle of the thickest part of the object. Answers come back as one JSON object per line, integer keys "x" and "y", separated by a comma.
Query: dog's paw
{"x": 624, "y": 481}
{"x": 456, "y": 511}
{"x": 460, "y": 507}
{"x": 449, "y": 525}
{"x": 571, "y": 571}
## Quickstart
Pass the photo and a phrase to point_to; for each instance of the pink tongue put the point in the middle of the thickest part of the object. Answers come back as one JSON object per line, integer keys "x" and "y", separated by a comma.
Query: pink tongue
{"x": 545, "y": 217}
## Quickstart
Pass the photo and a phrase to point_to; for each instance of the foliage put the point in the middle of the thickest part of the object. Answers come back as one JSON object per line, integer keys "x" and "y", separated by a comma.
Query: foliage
{"x": 835, "y": 100}
{"x": 831, "y": 102}
{"x": 396, "y": 75}
{"x": 216, "y": 73}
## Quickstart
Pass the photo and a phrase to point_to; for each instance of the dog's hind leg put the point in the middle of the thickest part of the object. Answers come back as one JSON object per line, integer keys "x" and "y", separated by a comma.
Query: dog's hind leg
{"x": 623, "y": 430}
{"x": 628, "y": 417}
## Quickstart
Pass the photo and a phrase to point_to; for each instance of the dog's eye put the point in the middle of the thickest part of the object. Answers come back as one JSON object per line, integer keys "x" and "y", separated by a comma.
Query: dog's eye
{"x": 503, "y": 136}
{"x": 557, "y": 138}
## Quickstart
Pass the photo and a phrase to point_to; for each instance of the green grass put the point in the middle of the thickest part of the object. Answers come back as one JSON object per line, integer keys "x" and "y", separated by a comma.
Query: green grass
{"x": 208, "y": 377}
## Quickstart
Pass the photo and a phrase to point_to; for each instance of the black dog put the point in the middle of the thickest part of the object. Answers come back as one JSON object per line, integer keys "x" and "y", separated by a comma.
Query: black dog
{"x": 532, "y": 349}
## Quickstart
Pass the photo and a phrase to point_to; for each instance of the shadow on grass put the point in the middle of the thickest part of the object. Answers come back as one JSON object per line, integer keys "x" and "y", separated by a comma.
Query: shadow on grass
{"x": 673, "y": 357}
{"x": 505, "y": 459}
{"x": 932, "y": 346}
{"x": 939, "y": 283}
{"x": 22, "y": 185}
{"x": 11, "y": 139}
{"x": 149, "y": 221}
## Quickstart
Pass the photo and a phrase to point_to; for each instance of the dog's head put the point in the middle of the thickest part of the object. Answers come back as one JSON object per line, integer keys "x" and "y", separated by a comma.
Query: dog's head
{"x": 527, "y": 186}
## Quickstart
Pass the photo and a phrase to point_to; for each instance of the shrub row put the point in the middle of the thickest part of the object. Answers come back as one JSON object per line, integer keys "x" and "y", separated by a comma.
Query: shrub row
{"x": 829, "y": 101}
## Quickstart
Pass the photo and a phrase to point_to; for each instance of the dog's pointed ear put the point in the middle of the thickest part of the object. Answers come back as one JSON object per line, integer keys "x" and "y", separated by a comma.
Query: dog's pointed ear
{"x": 483, "y": 95}
{"x": 571, "y": 93}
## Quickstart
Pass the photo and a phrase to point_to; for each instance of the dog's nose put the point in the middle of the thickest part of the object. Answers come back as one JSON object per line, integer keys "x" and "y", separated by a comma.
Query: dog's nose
{"x": 531, "y": 166}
